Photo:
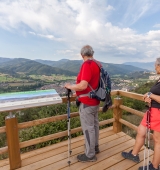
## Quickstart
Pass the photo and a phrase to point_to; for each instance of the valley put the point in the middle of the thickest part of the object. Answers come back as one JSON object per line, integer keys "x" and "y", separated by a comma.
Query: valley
{"x": 24, "y": 75}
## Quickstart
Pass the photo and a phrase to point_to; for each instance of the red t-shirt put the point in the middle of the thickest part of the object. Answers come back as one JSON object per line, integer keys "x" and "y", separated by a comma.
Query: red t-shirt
{"x": 89, "y": 72}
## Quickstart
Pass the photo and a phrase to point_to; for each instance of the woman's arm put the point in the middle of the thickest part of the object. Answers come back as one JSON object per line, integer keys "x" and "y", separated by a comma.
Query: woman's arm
{"x": 155, "y": 97}
{"x": 151, "y": 97}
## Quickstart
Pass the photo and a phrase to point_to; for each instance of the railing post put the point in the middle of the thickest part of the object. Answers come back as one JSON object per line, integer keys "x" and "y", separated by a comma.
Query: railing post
{"x": 13, "y": 141}
{"x": 117, "y": 114}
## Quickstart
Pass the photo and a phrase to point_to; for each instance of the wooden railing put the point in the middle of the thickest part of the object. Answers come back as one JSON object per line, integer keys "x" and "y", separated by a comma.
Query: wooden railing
{"x": 12, "y": 126}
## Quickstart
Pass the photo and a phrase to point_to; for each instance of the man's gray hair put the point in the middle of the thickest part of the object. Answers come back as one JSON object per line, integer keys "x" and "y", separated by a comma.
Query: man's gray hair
{"x": 158, "y": 61}
{"x": 87, "y": 50}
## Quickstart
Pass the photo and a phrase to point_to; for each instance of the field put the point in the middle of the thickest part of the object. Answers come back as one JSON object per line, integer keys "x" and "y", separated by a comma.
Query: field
{"x": 8, "y": 78}
{"x": 24, "y": 82}
{"x": 52, "y": 78}
{"x": 21, "y": 84}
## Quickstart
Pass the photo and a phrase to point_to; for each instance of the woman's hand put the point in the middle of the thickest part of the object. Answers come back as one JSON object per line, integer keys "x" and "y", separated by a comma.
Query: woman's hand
{"x": 144, "y": 96}
{"x": 147, "y": 100}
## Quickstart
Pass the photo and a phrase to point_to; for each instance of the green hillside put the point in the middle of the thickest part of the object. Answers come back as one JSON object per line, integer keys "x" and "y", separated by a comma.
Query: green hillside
{"x": 74, "y": 66}
{"x": 61, "y": 67}
{"x": 32, "y": 67}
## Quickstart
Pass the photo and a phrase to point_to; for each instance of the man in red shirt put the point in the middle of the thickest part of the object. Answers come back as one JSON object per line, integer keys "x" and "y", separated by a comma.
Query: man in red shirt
{"x": 89, "y": 75}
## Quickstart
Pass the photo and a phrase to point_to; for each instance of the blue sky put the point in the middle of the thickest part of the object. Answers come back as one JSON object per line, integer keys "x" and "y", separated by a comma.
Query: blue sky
{"x": 118, "y": 30}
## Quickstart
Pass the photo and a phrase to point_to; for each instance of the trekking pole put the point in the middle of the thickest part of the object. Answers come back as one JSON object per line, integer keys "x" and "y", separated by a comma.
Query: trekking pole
{"x": 147, "y": 139}
{"x": 68, "y": 123}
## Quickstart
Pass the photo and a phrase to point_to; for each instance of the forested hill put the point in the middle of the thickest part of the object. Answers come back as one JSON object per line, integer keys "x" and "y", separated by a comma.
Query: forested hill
{"x": 71, "y": 65}
{"x": 31, "y": 67}
{"x": 74, "y": 65}
{"x": 61, "y": 67}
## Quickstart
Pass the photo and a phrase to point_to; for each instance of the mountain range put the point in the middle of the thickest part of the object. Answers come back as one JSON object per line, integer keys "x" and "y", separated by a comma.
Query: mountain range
{"x": 144, "y": 65}
{"x": 64, "y": 66}
{"x": 21, "y": 65}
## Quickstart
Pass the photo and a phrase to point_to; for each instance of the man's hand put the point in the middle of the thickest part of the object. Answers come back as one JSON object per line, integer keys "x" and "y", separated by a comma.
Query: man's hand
{"x": 67, "y": 86}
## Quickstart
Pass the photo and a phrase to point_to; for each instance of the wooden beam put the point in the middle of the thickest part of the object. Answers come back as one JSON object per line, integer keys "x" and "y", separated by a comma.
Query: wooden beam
{"x": 131, "y": 95}
{"x": 133, "y": 111}
{"x": 114, "y": 92}
{"x": 13, "y": 142}
{"x": 130, "y": 125}
{"x": 58, "y": 135}
{"x": 46, "y": 120}
{"x": 4, "y": 150}
{"x": 117, "y": 114}
{"x": 2, "y": 129}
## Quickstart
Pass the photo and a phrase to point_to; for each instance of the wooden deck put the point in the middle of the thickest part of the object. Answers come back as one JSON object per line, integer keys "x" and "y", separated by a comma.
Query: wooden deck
{"x": 55, "y": 157}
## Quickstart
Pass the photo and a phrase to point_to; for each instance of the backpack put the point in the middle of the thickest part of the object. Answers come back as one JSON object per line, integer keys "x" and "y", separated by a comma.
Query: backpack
{"x": 102, "y": 93}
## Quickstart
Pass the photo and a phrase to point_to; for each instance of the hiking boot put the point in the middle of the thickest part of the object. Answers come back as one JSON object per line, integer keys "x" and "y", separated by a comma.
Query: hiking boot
{"x": 84, "y": 158}
{"x": 150, "y": 167}
{"x": 129, "y": 155}
{"x": 97, "y": 149}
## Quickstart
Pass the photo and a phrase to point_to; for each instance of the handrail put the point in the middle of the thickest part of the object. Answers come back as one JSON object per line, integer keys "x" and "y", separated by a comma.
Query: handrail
{"x": 128, "y": 109}
{"x": 132, "y": 126}
{"x": 2, "y": 129}
{"x": 131, "y": 95}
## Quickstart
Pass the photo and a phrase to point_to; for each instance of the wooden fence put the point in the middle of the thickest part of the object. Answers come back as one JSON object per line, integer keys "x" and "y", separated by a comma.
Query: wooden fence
{"x": 12, "y": 126}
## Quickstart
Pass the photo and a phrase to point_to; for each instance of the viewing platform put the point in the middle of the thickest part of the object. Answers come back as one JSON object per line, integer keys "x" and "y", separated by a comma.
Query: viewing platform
{"x": 112, "y": 141}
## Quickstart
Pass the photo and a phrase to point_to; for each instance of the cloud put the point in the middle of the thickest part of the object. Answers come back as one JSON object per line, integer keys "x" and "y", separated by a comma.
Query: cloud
{"x": 80, "y": 22}
{"x": 134, "y": 10}
{"x": 64, "y": 51}
{"x": 33, "y": 33}
{"x": 51, "y": 37}
{"x": 156, "y": 26}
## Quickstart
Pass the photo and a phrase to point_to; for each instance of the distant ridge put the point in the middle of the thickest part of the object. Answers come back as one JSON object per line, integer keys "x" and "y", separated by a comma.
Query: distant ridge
{"x": 74, "y": 65}
{"x": 144, "y": 65}
{"x": 61, "y": 67}
{"x": 2, "y": 59}
{"x": 52, "y": 63}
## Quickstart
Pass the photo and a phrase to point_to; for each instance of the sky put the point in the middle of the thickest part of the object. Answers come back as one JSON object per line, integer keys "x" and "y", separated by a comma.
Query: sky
{"x": 118, "y": 30}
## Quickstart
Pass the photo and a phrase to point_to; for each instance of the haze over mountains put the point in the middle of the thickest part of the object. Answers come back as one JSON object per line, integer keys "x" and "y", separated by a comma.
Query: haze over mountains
{"x": 64, "y": 66}
{"x": 148, "y": 66}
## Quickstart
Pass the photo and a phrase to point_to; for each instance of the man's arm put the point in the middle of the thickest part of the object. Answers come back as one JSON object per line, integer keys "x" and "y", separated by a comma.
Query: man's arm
{"x": 77, "y": 87}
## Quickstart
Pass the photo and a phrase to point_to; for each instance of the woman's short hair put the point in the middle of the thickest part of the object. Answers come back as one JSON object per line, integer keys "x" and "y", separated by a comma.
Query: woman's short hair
{"x": 87, "y": 50}
{"x": 158, "y": 61}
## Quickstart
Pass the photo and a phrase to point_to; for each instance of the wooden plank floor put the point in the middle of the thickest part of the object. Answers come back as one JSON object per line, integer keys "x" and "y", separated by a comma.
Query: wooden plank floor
{"x": 55, "y": 157}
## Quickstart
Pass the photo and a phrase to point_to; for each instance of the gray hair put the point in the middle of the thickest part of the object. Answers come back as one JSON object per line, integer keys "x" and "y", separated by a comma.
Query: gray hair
{"x": 158, "y": 61}
{"x": 87, "y": 50}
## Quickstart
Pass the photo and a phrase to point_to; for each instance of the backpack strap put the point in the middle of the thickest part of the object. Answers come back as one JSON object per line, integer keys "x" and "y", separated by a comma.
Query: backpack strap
{"x": 87, "y": 94}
